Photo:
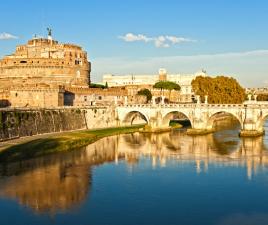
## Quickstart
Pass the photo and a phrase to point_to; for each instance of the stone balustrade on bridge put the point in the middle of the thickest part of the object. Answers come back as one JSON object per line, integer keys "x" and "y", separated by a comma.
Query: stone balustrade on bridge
{"x": 251, "y": 115}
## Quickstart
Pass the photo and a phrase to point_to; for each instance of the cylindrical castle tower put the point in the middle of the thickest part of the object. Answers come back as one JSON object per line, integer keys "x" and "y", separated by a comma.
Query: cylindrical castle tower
{"x": 45, "y": 61}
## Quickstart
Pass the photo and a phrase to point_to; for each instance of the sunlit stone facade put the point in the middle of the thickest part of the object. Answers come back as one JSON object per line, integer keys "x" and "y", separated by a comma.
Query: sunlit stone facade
{"x": 46, "y": 61}
{"x": 46, "y": 73}
{"x": 184, "y": 80}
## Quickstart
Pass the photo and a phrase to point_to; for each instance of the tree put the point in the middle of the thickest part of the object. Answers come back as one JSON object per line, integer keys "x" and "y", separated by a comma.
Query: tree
{"x": 262, "y": 97}
{"x": 167, "y": 85}
{"x": 106, "y": 85}
{"x": 146, "y": 92}
{"x": 220, "y": 90}
{"x": 92, "y": 85}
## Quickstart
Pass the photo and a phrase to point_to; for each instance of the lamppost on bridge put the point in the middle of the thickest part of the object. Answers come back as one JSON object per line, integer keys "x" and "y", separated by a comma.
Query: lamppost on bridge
{"x": 255, "y": 98}
{"x": 153, "y": 100}
{"x": 206, "y": 99}
{"x": 249, "y": 97}
{"x": 197, "y": 99}
{"x": 125, "y": 100}
{"x": 163, "y": 100}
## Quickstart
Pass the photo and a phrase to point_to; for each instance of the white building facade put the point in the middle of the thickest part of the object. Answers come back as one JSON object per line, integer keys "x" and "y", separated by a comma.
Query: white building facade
{"x": 184, "y": 80}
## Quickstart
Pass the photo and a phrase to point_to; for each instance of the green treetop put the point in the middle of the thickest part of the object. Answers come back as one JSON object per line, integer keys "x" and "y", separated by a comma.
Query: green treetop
{"x": 167, "y": 85}
{"x": 145, "y": 92}
{"x": 220, "y": 90}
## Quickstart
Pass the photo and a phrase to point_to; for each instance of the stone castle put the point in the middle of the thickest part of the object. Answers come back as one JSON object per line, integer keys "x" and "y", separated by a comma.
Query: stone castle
{"x": 46, "y": 73}
{"x": 45, "y": 61}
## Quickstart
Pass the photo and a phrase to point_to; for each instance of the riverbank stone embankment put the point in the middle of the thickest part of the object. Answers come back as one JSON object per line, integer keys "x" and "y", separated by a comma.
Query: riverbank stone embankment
{"x": 16, "y": 123}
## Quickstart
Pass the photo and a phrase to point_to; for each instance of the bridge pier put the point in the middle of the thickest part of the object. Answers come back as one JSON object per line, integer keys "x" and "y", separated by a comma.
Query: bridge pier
{"x": 200, "y": 127}
{"x": 192, "y": 131}
{"x": 251, "y": 133}
{"x": 254, "y": 120}
{"x": 155, "y": 123}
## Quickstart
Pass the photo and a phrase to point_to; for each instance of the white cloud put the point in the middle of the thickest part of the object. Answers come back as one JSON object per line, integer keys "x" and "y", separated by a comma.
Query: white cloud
{"x": 129, "y": 37}
{"x": 177, "y": 40}
{"x": 162, "y": 41}
{"x": 7, "y": 36}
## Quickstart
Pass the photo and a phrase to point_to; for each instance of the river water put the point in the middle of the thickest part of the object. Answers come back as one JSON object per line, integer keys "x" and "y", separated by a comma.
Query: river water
{"x": 168, "y": 178}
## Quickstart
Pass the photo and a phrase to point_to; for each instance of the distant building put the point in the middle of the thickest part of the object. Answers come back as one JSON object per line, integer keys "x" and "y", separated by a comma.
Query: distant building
{"x": 259, "y": 90}
{"x": 260, "y": 93}
{"x": 184, "y": 80}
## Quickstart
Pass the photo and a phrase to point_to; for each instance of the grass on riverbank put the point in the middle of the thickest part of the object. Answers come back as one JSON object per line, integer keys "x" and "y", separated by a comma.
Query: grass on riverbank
{"x": 175, "y": 124}
{"x": 58, "y": 143}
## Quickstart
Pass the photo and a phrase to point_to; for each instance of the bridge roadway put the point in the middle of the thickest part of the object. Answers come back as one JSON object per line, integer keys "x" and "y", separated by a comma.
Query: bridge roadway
{"x": 251, "y": 115}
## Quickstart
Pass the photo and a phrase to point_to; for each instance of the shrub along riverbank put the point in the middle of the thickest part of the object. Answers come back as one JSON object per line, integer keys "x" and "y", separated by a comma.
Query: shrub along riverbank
{"x": 58, "y": 143}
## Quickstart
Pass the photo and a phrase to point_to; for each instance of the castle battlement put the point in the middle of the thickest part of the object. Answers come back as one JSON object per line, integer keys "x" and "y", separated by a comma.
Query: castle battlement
{"x": 99, "y": 91}
{"x": 40, "y": 63}
{"x": 41, "y": 41}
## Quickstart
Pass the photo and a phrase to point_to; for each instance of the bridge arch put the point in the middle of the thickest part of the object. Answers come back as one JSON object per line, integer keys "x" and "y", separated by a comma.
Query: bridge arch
{"x": 172, "y": 115}
{"x": 131, "y": 116}
{"x": 222, "y": 113}
{"x": 135, "y": 140}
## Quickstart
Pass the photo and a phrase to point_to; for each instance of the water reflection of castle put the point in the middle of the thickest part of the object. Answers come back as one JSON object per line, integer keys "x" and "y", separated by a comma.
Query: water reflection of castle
{"x": 57, "y": 183}
{"x": 53, "y": 183}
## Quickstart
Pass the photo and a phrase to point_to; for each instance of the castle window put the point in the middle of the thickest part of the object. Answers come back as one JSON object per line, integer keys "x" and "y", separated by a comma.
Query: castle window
{"x": 77, "y": 62}
{"x": 85, "y": 98}
{"x": 23, "y": 61}
{"x": 16, "y": 94}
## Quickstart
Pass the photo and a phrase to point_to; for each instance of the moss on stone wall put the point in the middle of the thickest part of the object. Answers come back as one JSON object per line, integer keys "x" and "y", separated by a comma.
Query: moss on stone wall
{"x": 15, "y": 123}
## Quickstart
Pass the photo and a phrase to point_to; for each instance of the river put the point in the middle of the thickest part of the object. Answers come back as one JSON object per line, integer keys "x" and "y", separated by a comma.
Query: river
{"x": 167, "y": 178}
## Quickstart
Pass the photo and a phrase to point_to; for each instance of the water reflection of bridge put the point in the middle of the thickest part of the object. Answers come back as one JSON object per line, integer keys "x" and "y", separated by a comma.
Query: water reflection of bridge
{"x": 203, "y": 150}
{"x": 60, "y": 182}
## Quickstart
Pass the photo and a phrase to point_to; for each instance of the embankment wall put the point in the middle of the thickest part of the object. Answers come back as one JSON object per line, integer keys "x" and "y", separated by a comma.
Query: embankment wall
{"x": 15, "y": 123}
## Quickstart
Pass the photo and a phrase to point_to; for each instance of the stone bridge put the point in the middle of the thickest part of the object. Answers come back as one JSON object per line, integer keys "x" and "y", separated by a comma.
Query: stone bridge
{"x": 251, "y": 115}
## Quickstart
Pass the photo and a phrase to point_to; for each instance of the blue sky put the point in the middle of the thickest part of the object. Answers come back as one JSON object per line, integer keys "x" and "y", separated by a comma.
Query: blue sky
{"x": 133, "y": 37}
